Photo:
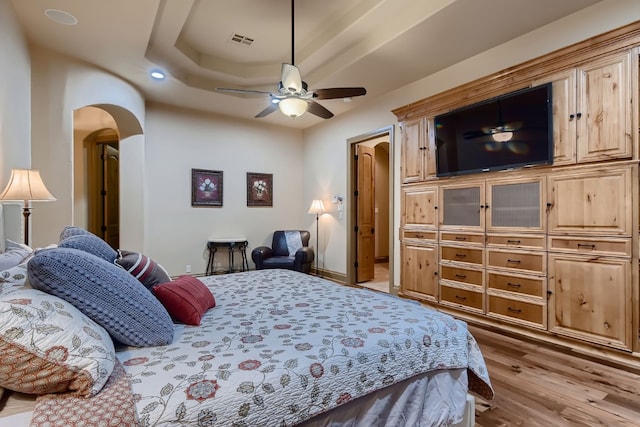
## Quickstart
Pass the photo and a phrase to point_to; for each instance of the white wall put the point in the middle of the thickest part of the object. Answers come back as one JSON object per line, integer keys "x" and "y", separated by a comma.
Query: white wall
{"x": 60, "y": 86}
{"x": 325, "y": 144}
{"x": 179, "y": 140}
{"x": 15, "y": 113}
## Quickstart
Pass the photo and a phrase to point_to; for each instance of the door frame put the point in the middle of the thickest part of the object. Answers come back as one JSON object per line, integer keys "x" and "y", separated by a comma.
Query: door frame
{"x": 351, "y": 201}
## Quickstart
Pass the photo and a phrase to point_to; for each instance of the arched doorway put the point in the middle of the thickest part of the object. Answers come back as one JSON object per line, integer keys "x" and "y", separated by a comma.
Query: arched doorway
{"x": 97, "y": 173}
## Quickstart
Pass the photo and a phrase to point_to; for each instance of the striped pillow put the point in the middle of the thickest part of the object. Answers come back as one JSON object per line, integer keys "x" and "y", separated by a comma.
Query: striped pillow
{"x": 143, "y": 268}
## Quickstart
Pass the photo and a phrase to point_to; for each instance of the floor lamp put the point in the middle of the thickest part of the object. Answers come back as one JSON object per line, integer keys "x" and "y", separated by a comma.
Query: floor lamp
{"x": 26, "y": 185}
{"x": 317, "y": 208}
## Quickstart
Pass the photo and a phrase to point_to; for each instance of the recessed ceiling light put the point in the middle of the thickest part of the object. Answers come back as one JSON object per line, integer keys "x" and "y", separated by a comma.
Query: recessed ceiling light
{"x": 61, "y": 17}
{"x": 157, "y": 74}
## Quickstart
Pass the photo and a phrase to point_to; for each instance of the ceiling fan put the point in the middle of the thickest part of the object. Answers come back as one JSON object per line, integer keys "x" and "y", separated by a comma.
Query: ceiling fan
{"x": 501, "y": 132}
{"x": 293, "y": 97}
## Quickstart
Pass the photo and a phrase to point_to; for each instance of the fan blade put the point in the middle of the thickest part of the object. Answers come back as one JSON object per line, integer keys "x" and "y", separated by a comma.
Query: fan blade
{"x": 241, "y": 91}
{"x": 475, "y": 134}
{"x": 270, "y": 109}
{"x": 291, "y": 79}
{"x": 339, "y": 92}
{"x": 318, "y": 110}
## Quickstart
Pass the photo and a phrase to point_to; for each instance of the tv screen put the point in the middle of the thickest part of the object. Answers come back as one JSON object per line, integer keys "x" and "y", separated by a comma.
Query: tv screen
{"x": 512, "y": 130}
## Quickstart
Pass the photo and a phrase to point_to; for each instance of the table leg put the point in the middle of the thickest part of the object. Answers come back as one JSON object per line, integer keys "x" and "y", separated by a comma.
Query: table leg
{"x": 212, "y": 253}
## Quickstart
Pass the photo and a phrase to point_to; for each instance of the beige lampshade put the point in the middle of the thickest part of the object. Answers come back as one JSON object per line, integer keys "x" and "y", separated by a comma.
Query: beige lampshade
{"x": 26, "y": 184}
{"x": 316, "y": 207}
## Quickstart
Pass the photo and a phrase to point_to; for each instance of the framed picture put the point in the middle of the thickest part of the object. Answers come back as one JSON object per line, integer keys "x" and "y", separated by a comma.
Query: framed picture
{"x": 206, "y": 187}
{"x": 259, "y": 189}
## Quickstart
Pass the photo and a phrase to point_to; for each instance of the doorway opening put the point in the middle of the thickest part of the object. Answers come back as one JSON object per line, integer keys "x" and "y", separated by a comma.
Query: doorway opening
{"x": 370, "y": 242}
{"x": 97, "y": 174}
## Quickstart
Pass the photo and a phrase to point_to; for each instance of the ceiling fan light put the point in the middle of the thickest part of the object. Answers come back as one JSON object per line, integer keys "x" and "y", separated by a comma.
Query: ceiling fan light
{"x": 293, "y": 107}
{"x": 502, "y": 136}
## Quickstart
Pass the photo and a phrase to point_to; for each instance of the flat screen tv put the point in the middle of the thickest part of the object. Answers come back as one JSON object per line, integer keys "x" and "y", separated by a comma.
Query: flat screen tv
{"x": 510, "y": 131}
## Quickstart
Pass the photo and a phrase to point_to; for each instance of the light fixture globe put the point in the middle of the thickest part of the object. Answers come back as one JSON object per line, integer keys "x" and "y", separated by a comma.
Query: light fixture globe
{"x": 293, "y": 107}
{"x": 502, "y": 136}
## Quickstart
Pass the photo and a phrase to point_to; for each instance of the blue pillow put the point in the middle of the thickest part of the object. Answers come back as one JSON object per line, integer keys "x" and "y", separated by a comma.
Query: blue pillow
{"x": 105, "y": 293}
{"x": 71, "y": 230}
{"x": 92, "y": 244}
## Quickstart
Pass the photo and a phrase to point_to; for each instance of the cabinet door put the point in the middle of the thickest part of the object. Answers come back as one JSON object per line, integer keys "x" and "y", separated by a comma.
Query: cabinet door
{"x": 462, "y": 207}
{"x": 604, "y": 109}
{"x": 590, "y": 298}
{"x": 419, "y": 207}
{"x": 597, "y": 201}
{"x": 412, "y": 149}
{"x": 564, "y": 116}
{"x": 419, "y": 271}
{"x": 514, "y": 206}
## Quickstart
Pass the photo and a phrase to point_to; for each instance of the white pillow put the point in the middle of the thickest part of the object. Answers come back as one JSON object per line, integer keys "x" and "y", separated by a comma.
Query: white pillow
{"x": 48, "y": 346}
{"x": 14, "y": 254}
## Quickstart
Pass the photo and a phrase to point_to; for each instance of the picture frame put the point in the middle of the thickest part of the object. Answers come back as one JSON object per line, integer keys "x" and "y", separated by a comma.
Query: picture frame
{"x": 259, "y": 189}
{"x": 206, "y": 187}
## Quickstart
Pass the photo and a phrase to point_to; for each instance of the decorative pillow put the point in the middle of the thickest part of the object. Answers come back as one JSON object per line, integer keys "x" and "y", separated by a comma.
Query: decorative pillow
{"x": 92, "y": 244}
{"x": 71, "y": 230}
{"x": 143, "y": 268}
{"x": 48, "y": 346}
{"x": 105, "y": 293}
{"x": 185, "y": 298}
{"x": 14, "y": 278}
{"x": 14, "y": 254}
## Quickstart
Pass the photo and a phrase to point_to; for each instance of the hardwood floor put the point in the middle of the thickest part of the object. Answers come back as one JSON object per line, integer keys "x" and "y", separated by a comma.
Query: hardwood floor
{"x": 536, "y": 385}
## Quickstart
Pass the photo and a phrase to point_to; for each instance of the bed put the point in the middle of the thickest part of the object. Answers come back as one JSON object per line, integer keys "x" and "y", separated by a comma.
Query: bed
{"x": 282, "y": 348}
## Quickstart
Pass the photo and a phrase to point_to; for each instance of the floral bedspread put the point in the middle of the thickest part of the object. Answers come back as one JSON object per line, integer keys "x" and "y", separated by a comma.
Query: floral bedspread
{"x": 282, "y": 346}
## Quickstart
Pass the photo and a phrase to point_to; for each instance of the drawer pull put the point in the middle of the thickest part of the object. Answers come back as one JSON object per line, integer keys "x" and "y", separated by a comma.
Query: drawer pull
{"x": 582, "y": 245}
{"x": 461, "y": 238}
{"x": 513, "y": 285}
{"x": 513, "y": 242}
{"x": 461, "y": 276}
{"x": 419, "y": 236}
{"x": 461, "y": 298}
{"x": 461, "y": 255}
{"x": 513, "y": 261}
{"x": 514, "y": 310}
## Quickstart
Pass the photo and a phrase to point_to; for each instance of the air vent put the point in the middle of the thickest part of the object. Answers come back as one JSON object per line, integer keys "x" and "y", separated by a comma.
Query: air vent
{"x": 240, "y": 39}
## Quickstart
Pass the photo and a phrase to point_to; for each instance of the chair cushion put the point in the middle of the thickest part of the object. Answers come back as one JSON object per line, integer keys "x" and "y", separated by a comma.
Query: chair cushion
{"x": 106, "y": 293}
{"x": 279, "y": 262}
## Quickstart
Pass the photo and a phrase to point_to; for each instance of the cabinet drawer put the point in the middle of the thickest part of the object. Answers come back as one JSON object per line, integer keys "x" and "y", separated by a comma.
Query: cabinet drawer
{"x": 464, "y": 275}
{"x": 517, "y": 261}
{"x": 613, "y": 247}
{"x": 534, "y": 286}
{"x": 462, "y": 297}
{"x": 462, "y": 238}
{"x": 521, "y": 310}
{"x": 521, "y": 242}
{"x": 461, "y": 254}
{"x": 421, "y": 235}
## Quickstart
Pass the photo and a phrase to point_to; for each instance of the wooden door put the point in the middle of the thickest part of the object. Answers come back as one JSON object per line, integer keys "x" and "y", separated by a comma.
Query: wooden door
{"x": 590, "y": 298}
{"x": 111, "y": 195}
{"x": 604, "y": 103}
{"x": 594, "y": 201}
{"x": 419, "y": 272}
{"x": 413, "y": 145}
{"x": 365, "y": 213}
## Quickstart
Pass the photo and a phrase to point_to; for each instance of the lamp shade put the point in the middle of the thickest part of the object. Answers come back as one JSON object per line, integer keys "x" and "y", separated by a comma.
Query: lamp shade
{"x": 293, "y": 107}
{"x": 26, "y": 184}
{"x": 316, "y": 207}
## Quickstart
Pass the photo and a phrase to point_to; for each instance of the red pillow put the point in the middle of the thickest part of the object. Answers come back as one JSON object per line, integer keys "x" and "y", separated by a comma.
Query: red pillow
{"x": 185, "y": 298}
